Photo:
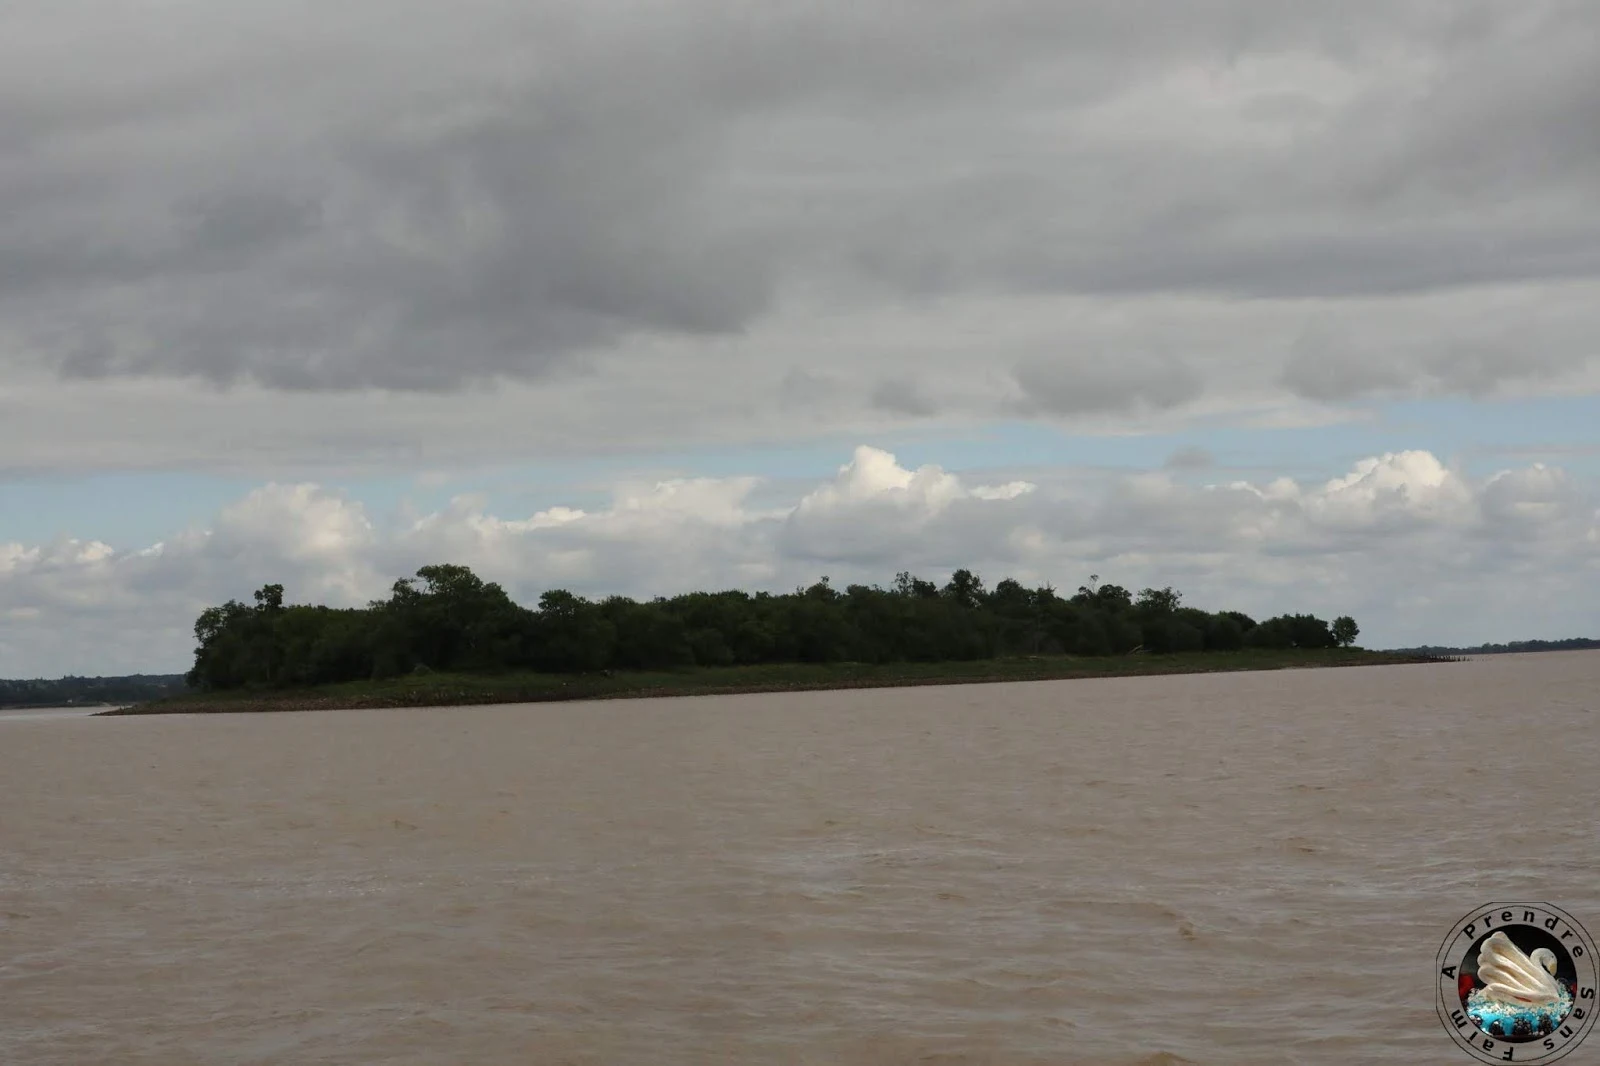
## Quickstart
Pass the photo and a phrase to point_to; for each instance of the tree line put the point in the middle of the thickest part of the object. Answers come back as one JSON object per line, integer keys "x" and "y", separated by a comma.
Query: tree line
{"x": 449, "y": 619}
{"x": 75, "y": 691}
{"x": 1515, "y": 647}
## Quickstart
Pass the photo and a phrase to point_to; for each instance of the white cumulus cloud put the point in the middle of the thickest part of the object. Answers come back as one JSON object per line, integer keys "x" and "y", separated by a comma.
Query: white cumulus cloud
{"x": 1416, "y": 550}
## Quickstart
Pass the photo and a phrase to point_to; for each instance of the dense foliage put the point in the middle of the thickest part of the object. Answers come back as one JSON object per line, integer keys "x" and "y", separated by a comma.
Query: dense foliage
{"x": 1514, "y": 648}
{"x": 73, "y": 691}
{"x": 447, "y": 619}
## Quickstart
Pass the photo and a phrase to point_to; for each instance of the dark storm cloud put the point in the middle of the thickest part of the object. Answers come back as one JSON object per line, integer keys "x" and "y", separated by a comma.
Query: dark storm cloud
{"x": 400, "y": 196}
{"x": 1468, "y": 349}
{"x": 1108, "y": 382}
{"x": 902, "y": 397}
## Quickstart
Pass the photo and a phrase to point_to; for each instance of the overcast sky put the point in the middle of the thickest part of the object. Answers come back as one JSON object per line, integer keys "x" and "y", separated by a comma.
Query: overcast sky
{"x": 1292, "y": 305}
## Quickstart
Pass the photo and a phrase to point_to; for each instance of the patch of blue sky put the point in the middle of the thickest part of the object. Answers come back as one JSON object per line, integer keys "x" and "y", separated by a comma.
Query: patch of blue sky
{"x": 132, "y": 510}
{"x": 1482, "y": 437}
{"x": 126, "y": 510}
{"x": 1479, "y": 438}
{"x": 1489, "y": 436}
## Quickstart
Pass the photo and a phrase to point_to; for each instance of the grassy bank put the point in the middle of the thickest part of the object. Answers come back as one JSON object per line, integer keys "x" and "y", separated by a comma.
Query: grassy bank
{"x": 441, "y": 690}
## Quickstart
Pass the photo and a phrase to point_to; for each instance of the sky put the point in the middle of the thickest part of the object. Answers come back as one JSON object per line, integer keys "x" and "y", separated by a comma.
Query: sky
{"x": 1290, "y": 305}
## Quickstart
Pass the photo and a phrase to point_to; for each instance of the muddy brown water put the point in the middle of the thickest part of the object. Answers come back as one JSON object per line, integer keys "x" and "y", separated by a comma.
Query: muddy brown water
{"x": 1224, "y": 868}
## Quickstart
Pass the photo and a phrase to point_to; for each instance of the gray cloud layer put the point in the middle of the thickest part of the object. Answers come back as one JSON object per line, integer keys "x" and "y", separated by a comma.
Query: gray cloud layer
{"x": 410, "y": 196}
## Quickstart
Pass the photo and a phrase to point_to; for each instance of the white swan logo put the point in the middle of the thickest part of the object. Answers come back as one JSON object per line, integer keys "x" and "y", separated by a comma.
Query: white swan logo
{"x": 1518, "y": 983}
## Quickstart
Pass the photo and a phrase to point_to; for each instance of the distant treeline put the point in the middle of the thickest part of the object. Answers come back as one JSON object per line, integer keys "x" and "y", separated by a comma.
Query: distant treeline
{"x": 447, "y": 619}
{"x": 73, "y": 691}
{"x": 1516, "y": 646}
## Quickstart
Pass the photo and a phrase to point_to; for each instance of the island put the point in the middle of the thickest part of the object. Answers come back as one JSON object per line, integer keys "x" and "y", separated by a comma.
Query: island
{"x": 446, "y": 637}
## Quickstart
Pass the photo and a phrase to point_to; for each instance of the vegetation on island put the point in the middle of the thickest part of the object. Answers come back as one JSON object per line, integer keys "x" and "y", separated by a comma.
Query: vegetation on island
{"x": 447, "y": 620}
{"x": 88, "y": 691}
{"x": 1515, "y": 647}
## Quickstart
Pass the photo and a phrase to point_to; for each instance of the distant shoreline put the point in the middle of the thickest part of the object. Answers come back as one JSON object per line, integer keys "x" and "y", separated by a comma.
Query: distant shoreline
{"x": 446, "y": 690}
{"x": 1517, "y": 647}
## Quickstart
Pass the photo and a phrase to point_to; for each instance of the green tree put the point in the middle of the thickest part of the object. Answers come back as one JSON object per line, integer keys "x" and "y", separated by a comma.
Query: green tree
{"x": 446, "y": 618}
{"x": 907, "y": 585}
{"x": 1291, "y": 631}
{"x": 1167, "y": 634}
{"x": 1273, "y": 633}
{"x": 1345, "y": 630}
{"x": 647, "y": 637}
{"x": 1158, "y": 601}
{"x": 965, "y": 589}
{"x": 1223, "y": 633}
{"x": 221, "y": 659}
{"x": 571, "y": 635}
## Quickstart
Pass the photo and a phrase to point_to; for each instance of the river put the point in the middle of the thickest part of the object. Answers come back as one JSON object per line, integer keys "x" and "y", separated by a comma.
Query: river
{"x": 1225, "y": 868}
